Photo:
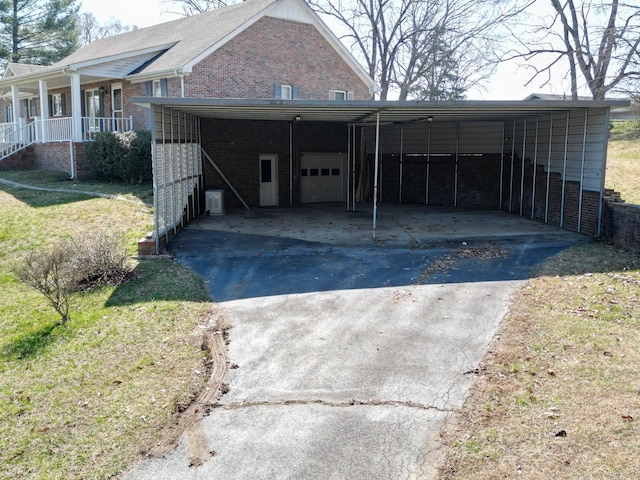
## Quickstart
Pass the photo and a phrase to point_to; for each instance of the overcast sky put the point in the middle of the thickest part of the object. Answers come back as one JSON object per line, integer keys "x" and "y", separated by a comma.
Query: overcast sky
{"x": 507, "y": 84}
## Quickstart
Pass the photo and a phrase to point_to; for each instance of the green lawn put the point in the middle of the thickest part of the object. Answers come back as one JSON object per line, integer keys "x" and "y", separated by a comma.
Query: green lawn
{"x": 84, "y": 399}
{"x": 623, "y": 162}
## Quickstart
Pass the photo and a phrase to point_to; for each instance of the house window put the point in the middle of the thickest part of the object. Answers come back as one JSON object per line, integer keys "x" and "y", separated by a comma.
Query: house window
{"x": 157, "y": 88}
{"x": 340, "y": 95}
{"x": 30, "y": 107}
{"x": 8, "y": 114}
{"x": 33, "y": 106}
{"x": 286, "y": 92}
{"x": 57, "y": 105}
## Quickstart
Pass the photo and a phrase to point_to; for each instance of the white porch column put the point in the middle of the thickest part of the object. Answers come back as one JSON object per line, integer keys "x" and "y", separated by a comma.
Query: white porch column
{"x": 76, "y": 107}
{"x": 44, "y": 110}
{"x": 15, "y": 106}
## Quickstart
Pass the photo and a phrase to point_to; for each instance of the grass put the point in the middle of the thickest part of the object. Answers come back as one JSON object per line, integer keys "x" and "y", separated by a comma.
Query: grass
{"x": 85, "y": 399}
{"x": 559, "y": 392}
{"x": 558, "y": 395}
{"x": 623, "y": 163}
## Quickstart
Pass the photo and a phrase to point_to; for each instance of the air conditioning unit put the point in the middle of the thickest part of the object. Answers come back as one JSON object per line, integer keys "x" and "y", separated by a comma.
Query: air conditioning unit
{"x": 214, "y": 202}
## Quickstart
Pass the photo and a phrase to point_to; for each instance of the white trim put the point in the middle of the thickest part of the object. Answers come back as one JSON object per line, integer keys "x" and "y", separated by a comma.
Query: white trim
{"x": 121, "y": 56}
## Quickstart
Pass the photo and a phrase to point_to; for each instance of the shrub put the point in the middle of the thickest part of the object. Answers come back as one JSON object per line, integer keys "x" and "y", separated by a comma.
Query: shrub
{"x": 100, "y": 260}
{"x": 121, "y": 156}
{"x": 50, "y": 273}
{"x": 74, "y": 265}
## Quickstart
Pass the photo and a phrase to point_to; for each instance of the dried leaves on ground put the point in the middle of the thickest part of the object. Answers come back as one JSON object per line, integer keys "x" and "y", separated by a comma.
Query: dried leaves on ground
{"x": 558, "y": 396}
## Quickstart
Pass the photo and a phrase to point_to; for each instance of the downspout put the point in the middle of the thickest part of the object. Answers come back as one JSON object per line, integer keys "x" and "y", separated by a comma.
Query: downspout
{"x": 180, "y": 74}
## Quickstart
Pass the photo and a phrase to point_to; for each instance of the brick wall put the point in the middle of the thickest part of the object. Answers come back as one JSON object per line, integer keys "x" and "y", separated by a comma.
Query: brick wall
{"x": 236, "y": 145}
{"x": 274, "y": 51}
{"x": 513, "y": 186}
{"x": 621, "y": 224}
{"x": 57, "y": 156}
{"x": 53, "y": 156}
{"x": 22, "y": 160}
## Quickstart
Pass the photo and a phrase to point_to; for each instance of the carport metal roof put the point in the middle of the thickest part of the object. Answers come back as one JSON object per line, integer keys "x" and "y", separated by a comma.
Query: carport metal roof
{"x": 366, "y": 111}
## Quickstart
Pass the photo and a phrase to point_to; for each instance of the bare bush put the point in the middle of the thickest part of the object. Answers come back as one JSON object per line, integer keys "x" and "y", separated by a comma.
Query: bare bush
{"x": 50, "y": 272}
{"x": 100, "y": 259}
{"x": 74, "y": 265}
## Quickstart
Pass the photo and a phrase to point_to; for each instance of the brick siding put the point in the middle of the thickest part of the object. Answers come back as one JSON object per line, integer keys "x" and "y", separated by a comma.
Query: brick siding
{"x": 274, "y": 51}
{"x": 22, "y": 160}
{"x": 621, "y": 224}
{"x": 235, "y": 146}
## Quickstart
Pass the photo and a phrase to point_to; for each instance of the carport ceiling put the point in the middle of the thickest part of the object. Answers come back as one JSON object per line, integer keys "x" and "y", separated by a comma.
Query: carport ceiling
{"x": 366, "y": 111}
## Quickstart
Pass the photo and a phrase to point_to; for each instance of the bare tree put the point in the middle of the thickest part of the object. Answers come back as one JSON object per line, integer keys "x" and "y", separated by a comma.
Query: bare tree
{"x": 90, "y": 29}
{"x": 429, "y": 48}
{"x": 194, "y": 7}
{"x": 599, "y": 41}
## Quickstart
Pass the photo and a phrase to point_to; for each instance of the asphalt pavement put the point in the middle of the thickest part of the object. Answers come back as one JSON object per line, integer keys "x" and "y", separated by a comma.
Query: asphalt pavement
{"x": 346, "y": 360}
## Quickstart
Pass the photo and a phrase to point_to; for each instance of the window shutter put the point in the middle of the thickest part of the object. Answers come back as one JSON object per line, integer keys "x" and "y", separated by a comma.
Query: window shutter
{"x": 277, "y": 91}
{"x": 147, "y": 89}
{"x": 26, "y": 108}
{"x": 295, "y": 92}
{"x": 163, "y": 87}
{"x": 50, "y": 105}
{"x": 63, "y": 100}
{"x": 350, "y": 96}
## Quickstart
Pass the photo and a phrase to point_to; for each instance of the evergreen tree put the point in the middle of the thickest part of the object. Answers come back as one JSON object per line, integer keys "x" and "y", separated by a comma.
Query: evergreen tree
{"x": 38, "y": 32}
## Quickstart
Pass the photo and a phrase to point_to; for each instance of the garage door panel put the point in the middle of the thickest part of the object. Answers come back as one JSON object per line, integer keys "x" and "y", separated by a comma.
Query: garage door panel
{"x": 321, "y": 177}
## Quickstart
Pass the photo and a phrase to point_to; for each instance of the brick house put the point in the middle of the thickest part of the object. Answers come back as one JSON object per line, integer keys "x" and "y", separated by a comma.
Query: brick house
{"x": 257, "y": 49}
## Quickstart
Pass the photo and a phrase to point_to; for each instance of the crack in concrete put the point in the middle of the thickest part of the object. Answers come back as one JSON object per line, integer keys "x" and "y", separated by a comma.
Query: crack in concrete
{"x": 326, "y": 403}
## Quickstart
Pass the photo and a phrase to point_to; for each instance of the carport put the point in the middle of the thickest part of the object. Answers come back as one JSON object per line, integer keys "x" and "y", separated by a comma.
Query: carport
{"x": 542, "y": 160}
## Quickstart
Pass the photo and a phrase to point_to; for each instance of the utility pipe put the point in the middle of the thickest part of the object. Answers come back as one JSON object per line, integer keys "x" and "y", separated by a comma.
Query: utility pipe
{"x": 546, "y": 206}
{"x": 535, "y": 169}
{"x": 584, "y": 154}
{"x": 564, "y": 171}
{"x": 375, "y": 176}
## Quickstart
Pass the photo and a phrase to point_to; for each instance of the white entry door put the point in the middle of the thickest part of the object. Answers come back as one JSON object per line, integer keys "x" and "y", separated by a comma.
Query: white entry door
{"x": 268, "y": 180}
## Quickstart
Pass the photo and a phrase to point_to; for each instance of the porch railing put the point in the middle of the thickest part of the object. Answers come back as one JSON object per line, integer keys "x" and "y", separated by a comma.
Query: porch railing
{"x": 55, "y": 129}
{"x": 93, "y": 125}
{"x": 18, "y": 135}
{"x": 15, "y": 137}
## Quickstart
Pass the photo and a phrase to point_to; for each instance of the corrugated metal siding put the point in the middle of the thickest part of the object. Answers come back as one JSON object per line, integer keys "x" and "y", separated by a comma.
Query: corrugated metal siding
{"x": 437, "y": 138}
{"x": 565, "y": 140}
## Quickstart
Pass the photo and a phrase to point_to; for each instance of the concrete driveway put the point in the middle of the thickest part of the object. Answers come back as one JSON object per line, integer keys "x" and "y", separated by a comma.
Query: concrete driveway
{"x": 349, "y": 358}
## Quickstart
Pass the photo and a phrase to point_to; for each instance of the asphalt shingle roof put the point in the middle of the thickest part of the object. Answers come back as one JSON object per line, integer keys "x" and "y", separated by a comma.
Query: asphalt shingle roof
{"x": 187, "y": 37}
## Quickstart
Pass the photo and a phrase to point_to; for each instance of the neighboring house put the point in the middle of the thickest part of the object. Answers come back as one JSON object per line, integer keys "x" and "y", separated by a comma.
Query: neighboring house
{"x": 257, "y": 49}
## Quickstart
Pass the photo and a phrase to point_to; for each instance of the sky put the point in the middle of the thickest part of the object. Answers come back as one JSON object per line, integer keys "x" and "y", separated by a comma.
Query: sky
{"x": 506, "y": 84}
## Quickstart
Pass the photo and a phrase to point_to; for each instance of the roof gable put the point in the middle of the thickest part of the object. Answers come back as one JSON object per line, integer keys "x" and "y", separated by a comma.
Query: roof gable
{"x": 173, "y": 48}
{"x": 15, "y": 69}
{"x": 180, "y": 40}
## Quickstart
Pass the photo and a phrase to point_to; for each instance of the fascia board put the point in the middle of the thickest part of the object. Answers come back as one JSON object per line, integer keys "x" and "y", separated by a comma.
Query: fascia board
{"x": 121, "y": 56}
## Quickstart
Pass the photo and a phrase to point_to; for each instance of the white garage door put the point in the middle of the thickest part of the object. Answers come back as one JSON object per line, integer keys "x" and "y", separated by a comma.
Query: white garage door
{"x": 321, "y": 177}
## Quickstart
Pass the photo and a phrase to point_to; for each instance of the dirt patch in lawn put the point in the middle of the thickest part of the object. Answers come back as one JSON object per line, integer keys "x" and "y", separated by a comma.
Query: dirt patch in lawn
{"x": 214, "y": 341}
